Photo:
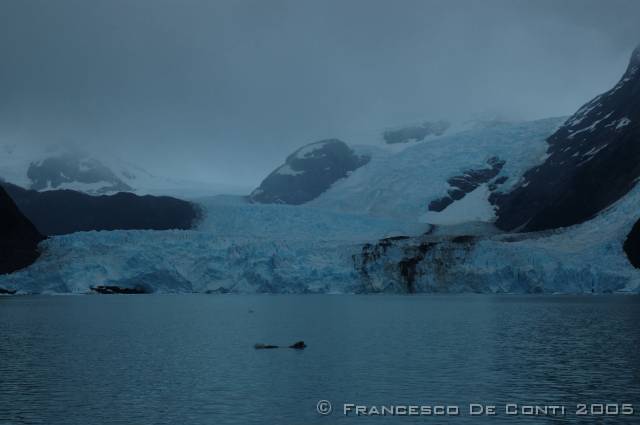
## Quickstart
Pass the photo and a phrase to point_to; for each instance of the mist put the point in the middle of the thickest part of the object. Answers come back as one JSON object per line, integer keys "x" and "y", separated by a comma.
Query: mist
{"x": 222, "y": 91}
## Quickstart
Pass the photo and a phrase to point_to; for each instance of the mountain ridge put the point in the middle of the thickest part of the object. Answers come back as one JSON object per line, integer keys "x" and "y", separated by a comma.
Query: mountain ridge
{"x": 19, "y": 238}
{"x": 577, "y": 178}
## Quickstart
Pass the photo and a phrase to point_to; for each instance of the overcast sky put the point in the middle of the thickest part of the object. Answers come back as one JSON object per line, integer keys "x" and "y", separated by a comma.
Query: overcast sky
{"x": 224, "y": 90}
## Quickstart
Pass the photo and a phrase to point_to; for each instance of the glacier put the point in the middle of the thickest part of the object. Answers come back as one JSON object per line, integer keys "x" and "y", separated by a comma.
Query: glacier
{"x": 238, "y": 247}
{"x": 420, "y": 172}
{"x": 360, "y": 236}
{"x": 585, "y": 258}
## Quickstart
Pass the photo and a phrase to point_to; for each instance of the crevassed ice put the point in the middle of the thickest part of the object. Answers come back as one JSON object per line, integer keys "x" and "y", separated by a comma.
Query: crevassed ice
{"x": 280, "y": 248}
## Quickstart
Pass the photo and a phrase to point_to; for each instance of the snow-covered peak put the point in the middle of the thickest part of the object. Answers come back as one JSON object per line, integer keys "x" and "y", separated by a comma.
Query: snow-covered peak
{"x": 51, "y": 167}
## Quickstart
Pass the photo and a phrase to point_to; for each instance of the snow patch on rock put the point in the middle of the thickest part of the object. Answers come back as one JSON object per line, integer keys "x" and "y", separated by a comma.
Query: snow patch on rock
{"x": 623, "y": 122}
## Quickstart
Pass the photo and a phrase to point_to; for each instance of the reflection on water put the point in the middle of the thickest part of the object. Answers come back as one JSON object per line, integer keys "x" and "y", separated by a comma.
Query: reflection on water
{"x": 189, "y": 359}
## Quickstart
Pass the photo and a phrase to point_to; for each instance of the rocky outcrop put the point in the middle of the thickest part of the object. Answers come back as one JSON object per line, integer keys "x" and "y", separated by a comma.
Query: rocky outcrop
{"x": 468, "y": 181}
{"x": 415, "y": 133}
{"x": 592, "y": 161}
{"x": 58, "y": 212}
{"x": 18, "y": 237}
{"x": 631, "y": 245}
{"x": 308, "y": 172}
{"x": 410, "y": 264}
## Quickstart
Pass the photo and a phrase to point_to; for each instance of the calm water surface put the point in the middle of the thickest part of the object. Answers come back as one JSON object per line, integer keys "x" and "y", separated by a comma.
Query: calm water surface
{"x": 189, "y": 359}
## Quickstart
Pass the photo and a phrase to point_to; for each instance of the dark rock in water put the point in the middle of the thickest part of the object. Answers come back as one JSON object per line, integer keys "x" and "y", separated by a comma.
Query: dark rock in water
{"x": 593, "y": 160}
{"x": 415, "y": 133}
{"x": 4, "y": 291}
{"x": 468, "y": 181}
{"x": 58, "y": 212}
{"x": 112, "y": 289}
{"x": 308, "y": 172}
{"x": 300, "y": 345}
{"x": 19, "y": 238}
{"x": 73, "y": 168}
{"x": 264, "y": 346}
{"x": 631, "y": 245}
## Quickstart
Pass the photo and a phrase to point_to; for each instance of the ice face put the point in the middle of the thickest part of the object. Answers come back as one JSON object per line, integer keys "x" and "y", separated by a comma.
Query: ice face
{"x": 244, "y": 247}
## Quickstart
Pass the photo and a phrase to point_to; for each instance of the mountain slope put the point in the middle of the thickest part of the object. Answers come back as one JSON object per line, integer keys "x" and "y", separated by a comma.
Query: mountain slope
{"x": 18, "y": 237}
{"x": 591, "y": 161}
{"x": 57, "y": 212}
{"x": 308, "y": 172}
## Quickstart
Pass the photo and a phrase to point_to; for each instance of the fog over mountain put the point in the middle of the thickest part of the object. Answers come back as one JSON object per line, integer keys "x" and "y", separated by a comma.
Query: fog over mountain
{"x": 224, "y": 90}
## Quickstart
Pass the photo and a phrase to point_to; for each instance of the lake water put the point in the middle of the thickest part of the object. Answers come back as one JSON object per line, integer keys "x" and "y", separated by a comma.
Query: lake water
{"x": 189, "y": 359}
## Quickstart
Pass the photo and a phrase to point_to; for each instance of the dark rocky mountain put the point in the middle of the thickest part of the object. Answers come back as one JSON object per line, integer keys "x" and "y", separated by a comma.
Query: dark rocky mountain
{"x": 468, "y": 181}
{"x": 58, "y": 212}
{"x": 54, "y": 171}
{"x": 308, "y": 172}
{"x": 631, "y": 245}
{"x": 18, "y": 237}
{"x": 593, "y": 160}
{"x": 415, "y": 133}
